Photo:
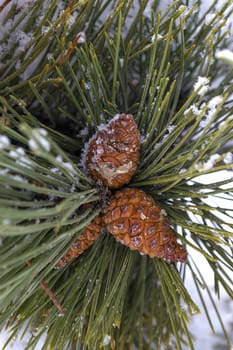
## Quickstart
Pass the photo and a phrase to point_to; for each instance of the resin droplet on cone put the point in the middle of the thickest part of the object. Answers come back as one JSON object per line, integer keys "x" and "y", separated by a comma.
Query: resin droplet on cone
{"x": 112, "y": 155}
{"x": 83, "y": 242}
{"x": 135, "y": 220}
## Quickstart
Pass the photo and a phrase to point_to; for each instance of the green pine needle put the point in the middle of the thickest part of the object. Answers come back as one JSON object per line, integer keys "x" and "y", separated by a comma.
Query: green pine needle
{"x": 133, "y": 61}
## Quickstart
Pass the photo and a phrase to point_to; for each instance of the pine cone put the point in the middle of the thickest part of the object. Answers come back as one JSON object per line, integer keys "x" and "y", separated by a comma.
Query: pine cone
{"x": 83, "y": 242}
{"x": 135, "y": 220}
{"x": 112, "y": 155}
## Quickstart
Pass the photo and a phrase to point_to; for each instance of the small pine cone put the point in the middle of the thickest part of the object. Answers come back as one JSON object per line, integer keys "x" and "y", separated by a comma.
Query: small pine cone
{"x": 83, "y": 242}
{"x": 112, "y": 155}
{"x": 135, "y": 220}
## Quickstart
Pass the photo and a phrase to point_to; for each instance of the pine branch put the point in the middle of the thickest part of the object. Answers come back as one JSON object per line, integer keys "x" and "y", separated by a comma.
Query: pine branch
{"x": 148, "y": 66}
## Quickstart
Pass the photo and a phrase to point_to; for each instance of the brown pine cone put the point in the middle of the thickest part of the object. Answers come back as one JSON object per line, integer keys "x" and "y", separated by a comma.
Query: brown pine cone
{"x": 112, "y": 156}
{"x": 83, "y": 242}
{"x": 135, "y": 220}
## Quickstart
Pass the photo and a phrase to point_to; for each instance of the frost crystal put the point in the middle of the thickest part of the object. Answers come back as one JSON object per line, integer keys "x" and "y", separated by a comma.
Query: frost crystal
{"x": 209, "y": 164}
{"x": 182, "y": 170}
{"x": 228, "y": 158}
{"x": 212, "y": 107}
{"x": 106, "y": 340}
{"x": 66, "y": 165}
{"x": 39, "y": 140}
{"x": 19, "y": 155}
{"x": 4, "y": 142}
{"x": 214, "y": 102}
{"x": 202, "y": 85}
{"x": 170, "y": 128}
{"x": 81, "y": 37}
{"x": 193, "y": 109}
{"x": 23, "y": 39}
{"x": 184, "y": 11}
{"x": 153, "y": 38}
{"x": 18, "y": 178}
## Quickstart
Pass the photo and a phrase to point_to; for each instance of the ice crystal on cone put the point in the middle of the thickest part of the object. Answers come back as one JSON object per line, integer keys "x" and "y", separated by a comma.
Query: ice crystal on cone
{"x": 83, "y": 242}
{"x": 135, "y": 220}
{"x": 112, "y": 155}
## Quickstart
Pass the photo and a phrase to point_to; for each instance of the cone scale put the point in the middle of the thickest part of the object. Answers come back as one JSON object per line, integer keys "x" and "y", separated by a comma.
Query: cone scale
{"x": 112, "y": 155}
{"x": 83, "y": 242}
{"x": 136, "y": 221}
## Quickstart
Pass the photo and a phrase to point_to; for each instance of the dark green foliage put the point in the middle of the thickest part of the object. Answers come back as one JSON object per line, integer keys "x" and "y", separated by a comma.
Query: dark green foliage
{"x": 135, "y": 63}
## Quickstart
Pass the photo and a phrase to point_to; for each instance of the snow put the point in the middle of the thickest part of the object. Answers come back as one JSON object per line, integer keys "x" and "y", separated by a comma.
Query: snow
{"x": 81, "y": 37}
{"x": 214, "y": 102}
{"x": 66, "y": 165}
{"x": 201, "y": 86}
{"x": 18, "y": 178}
{"x": 23, "y": 39}
{"x": 4, "y": 142}
{"x": 204, "y": 338}
{"x": 199, "y": 324}
{"x": 228, "y": 158}
{"x": 209, "y": 164}
{"x": 225, "y": 55}
{"x": 39, "y": 140}
{"x": 194, "y": 109}
{"x": 106, "y": 340}
{"x": 19, "y": 155}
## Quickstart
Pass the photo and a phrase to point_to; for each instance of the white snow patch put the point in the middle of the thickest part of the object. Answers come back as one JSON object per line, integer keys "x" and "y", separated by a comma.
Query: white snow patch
{"x": 215, "y": 101}
{"x": 170, "y": 128}
{"x": 23, "y": 39}
{"x": 66, "y": 165}
{"x": 202, "y": 85}
{"x": 19, "y": 155}
{"x": 121, "y": 61}
{"x": 18, "y": 152}
{"x": 81, "y": 37}
{"x": 106, "y": 340}
{"x": 39, "y": 141}
{"x": 193, "y": 109}
{"x": 212, "y": 107}
{"x": 184, "y": 11}
{"x": 4, "y": 142}
{"x": 209, "y": 164}
{"x": 225, "y": 55}
{"x": 18, "y": 178}
{"x": 228, "y": 158}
